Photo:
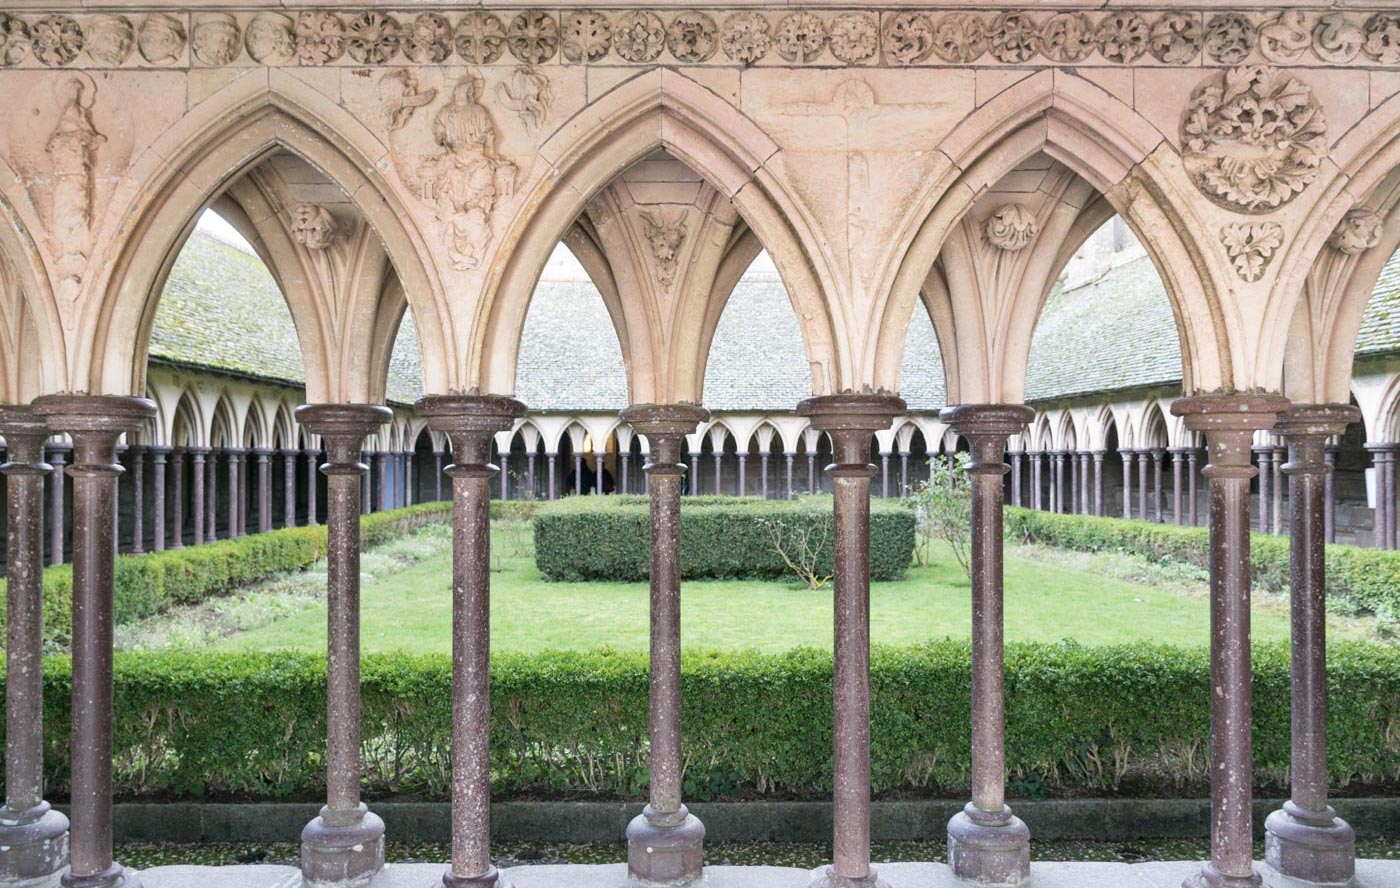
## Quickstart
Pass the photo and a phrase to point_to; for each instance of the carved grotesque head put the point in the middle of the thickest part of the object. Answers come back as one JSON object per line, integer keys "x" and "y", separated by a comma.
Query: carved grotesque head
{"x": 1359, "y": 231}
{"x": 109, "y": 39}
{"x": 665, "y": 237}
{"x": 269, "y": 38}
{"x": 161, "y": 39}
{"x": 313, "y": 226}
{"x": 216, "y": 38}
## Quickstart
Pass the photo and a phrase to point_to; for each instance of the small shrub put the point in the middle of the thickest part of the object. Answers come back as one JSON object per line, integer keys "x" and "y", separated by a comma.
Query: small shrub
{"x": 943, "y": 509}
{"x": 803, "y": 541}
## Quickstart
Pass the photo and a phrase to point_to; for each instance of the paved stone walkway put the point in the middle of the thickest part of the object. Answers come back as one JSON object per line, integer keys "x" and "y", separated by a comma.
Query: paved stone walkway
{"x": 1369, "y": 874}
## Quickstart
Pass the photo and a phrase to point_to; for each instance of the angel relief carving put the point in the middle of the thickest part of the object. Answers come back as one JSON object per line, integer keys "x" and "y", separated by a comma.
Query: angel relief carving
{"x": 72, "y": 151}
{"x": 462, "y": 182}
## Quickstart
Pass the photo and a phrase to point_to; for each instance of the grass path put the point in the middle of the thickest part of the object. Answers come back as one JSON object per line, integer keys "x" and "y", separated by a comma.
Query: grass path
{"x": 1050, "y": 595}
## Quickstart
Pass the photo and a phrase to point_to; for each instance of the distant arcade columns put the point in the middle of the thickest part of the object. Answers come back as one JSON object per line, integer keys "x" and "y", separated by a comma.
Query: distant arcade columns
{"x": 58, "y": 484}
{"x": 1383, "y": 458}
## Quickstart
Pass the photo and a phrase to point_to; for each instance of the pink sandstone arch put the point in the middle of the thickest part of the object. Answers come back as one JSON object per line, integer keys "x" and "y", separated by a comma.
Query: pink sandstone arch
{"x": 1112, "y": 147}
{"x": 659, "y": 109}
{"x": 184, "y": 170}
{"x": 27, "y": 301}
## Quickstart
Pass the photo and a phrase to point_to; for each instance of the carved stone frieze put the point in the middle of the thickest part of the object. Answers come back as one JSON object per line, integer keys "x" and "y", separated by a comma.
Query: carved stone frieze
{"x": 665, "y": 235}
{"x": 1251, "y": 246}
{"x": 313, "y": 226}
{"x": 1011, "y": 228}
{"x": 1253, "y": 138}
{"x": 1359, "y": 231}
{"x": 697, "y": 36}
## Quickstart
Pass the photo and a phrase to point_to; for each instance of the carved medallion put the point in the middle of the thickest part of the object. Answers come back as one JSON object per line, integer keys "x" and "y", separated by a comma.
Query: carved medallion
{"x": 161, "y": 39}
{"x": 1336, "y": 39}
{"x": 1382, "y": 38}
{"x": 1175, "y": 39}
{"x": 109, "y": 39}
{"x": 1229, "y": 38}
{"x": 854, "y": 37}
{"x": 372, "y": 38}
{"x": 1359, "y": 231}
{"x": 1285, "y": 38}
{"x": 1011, "y": 228}
{"x": 665, "y": 235}
{"x": 639, "y": 36}
{"x": 692, "y": 37}
{"x": 320, "y": 38}
{"x": 1252, "y": 246}
{"x": 1068, "y": 37}
{"x": 744, "y": 37}
{"x": 481, "y": 38}
{"x": 1014, "y": 38}
{"x": 533, "y": 37}
{"x": 216, "y": 38}
{"x": 587, "y": 36}
{"x": 909, "y": 38}
{"x": 800, "y": 37}
{"x": 313, "y": 226}
{"x": 14, "y": 40}
{"x": 270, "y": 39}
{"x": 1122, "y": 37}
{"x": 429, "y": 39}
{"x": 57, "y": 40}
{"x": 529, "y": 95}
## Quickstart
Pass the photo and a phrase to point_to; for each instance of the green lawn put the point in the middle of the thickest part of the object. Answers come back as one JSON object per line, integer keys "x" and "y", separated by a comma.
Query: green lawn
{"x": 1050, "y": 595}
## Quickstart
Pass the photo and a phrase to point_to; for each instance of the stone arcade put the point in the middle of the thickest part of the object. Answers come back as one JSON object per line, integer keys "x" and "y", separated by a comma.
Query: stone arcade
{"x": 431, "y": 158}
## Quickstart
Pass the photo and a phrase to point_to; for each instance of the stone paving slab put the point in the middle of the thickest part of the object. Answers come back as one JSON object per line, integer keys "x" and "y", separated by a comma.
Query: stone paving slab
{"x": 1369, "y": 874}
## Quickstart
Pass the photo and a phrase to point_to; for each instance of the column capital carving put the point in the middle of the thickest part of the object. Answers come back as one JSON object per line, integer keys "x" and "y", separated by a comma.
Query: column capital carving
{"x": 342, "y": 427}
{"x": 1323, "y": 420}
{"x": 850, "y": 420}
{"x": 989, "y": 419}
{"x": 470, "y": 421}
{"x": 94, "y": 422}
{"x": 25, "y": 432}
{"x": 1229, "y": 423}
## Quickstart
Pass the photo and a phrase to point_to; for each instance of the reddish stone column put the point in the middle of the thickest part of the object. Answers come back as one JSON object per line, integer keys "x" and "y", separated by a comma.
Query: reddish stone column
{"x": 1127, "y": 456}
{"x": 694, "y": 474}
{"x": 136, "y": 455}
{"x": 289, "y": 487}
{"x": 1086, "y": 477}
{"x": 743, "y": 459}
{"x": 58, "y": 483}
{"x": 1142, "y": 457}
{"x": 1015, "y": 478}
{"x": 1098, "y": 481}
{"x": 789, "y": 457}
{"x": 1330, "y": 492}
{"x": 313, "y": 487}
{"x": 235, "y": 487}
{"x": 158, "y": 463}
{"x": 471, "y": 421}
{"x": 530, "y": 474}
{"x": 1279, "y": 455}
{"x": 1229, "y": 423}
{"x": 763, "y": 474}
{"x": 986, "y": 842}
{"x": 1265, "y": 455}
{"x": 850, "y": 421}
{"x": 1157, "y": 457}
{"x": 665, "y": 843}
{"x": 197, "y": 455}
{"x": 812, "y": 472}
{"x": 1178, "y": 467}
{"x": 1061, "y": 504}
{"x": 1033, "y": 460}
{"x": 1305, "y": 839}
{"x": 550, "y": 458}
{"x": 264, "y": 461}
{"x": 94, "y": 423}
{"x": 177, "y": 498}
{"x": 344, "y": 845}
{"x": 1192, "y": 456}
{"x": 33, "y": 836}
{"x": 1072, "y": 506}
{"x": 719, "y": 456}
{"x": 242, "y": 497}
{"x": 211, "y": 507}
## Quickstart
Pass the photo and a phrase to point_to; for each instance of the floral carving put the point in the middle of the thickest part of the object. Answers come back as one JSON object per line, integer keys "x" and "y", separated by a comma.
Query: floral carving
{"x": 481, "y": 38}
{"x": 639, "y": 36}
{"x": 429, "y": 39}
{"x": 109, "y": 39}
{"x": 216, "y": 38}
{"x": 533, "y": 37}
{"x": 1175, "y": 39}
{"x": 1285, "y": 38}
{"x": 1122, "y": 37}
{"x": 1014, "y": 37}
{"x": 665, "y": 235}
{"x": 320, "y": 38}
{"x": 528, "y": 95}
{"x": 313, "y": 226}
{"x": 960, "y": 38}
{"x": 909, "y": 38}
{"x": 854, "y": 37}
{"x": 1336, "y": 39}
{"x": 270, "y": 39}
{"x": 744, "y": 37}
{"x": 587, "y": 36}
{"x": 1229, "y": 38}
{"x": 1068, "y": 37}
{"x": 1359, "y": 231}
{"x": 1254, "y": 139}
{"x": 1251, "y": 246}
{"x": 692, "y": 37}
{"x": 14, "y": 40}
{"x": 1011, "y": 227}
{"x": 373, "y": 38}
{"x": 800, "y": 37}
{"x": 1382, "y": 42}
{"x": 57, "y": 40}
{"x": 161, "y": 39}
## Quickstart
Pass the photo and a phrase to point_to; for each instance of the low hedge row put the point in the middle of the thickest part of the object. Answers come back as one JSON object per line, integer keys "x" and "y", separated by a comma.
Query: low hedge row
{"x": 609, "y": 537}
{"x": 1368, "y": 579}
{"x": 147, "y": 584}
{"x": 1130, "y": 720}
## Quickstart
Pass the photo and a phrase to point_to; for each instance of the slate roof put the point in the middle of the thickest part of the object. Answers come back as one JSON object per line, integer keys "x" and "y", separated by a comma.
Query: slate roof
{"x": 222, "y": 310}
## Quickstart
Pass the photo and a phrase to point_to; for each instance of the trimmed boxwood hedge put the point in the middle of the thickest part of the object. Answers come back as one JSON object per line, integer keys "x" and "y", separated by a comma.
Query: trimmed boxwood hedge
{"x": 722, "y": 537}
{"x": 1368, "y": 579}
{"x": 1131, "y": 720}
{"x": 148, "y": 584}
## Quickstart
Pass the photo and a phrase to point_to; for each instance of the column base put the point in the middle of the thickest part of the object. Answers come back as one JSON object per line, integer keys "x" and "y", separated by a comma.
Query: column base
{"x": 665, "y": 849}
{"x": 827, "y": 877}
{"x": 342, "y": 849}
{"x": 33, "y": 847}
{"x": 492, "y": 878}
{"x": 1208, "y": 877}
{"x": 1310, "y": 846}
{"x": 116, "y": 876}
{"x": 989, "y": 848}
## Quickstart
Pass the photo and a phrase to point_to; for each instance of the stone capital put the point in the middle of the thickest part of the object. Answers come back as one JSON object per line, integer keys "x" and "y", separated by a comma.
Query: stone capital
{"x": 1322, "y": 420}
{"x": 342, "y": 427}
{"x": 24, "y": 432}
{"x": 470, "y": 421}
{"x": 850, "y": 420}
{"x": 988, "y": 419}
{"x": 1229, "y": 423}
{"x": 94, "y": 422}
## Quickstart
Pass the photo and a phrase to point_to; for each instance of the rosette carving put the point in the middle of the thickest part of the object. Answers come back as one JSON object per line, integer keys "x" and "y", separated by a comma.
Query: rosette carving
{"x": 1014, "y": 38}
{"x": 1252, "y": 246}
{"x": 800, "y": 37}
{"x": 1175, "y": 39}
{"x": 57, "y": 40}
{"x": 639, "y": 36}
{"x": 373, "y": 38}
{"x": 1382, "y": 38}
{"x": 1122, "y": 37}
{"x": 854, "y": 37}
{"x": 1068, "y": 37}
{"x": 1229, "y": 38}
{"x": 481, "y": 38}
{"x": 745, "y": 38}
{"x": 533, "y": 37}
{"x": 908, "y": 38}
{"x": 1011, "y": 228}
{"x": 320, "y": 38}
{"x": 692, "y": 37}
{"x": 587, "y": 36}
{"x": 429, "y": 39}
{"x": 960, "y": 38}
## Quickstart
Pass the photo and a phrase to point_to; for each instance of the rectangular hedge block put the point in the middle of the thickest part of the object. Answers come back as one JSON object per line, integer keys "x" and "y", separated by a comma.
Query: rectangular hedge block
{"x": 586, "y": 538}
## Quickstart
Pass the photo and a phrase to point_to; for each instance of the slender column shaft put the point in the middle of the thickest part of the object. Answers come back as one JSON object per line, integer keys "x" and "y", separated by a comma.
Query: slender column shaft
{"x": 504, "y": 474}
{"x": 1142, "y": 457}
{"x": 289, "y": 488}
{"x": 1098, "y": 482}
{"x": 58, "y": 483}
{"x": 366, "y": 486}
{"x": 1279, "y": 456}
{"x": 437, "y": 475}
{"x": 1060, "y": 505}
{"x": 551, "y": 459}
{"x": 211, "y": 503}
{"x": 243, "y": 478}
{"x": 599, "y": 467}
{"x": 1330, "y": 493}
{"x": 1075, "y": 480}
{"x": 1035, "y": 480}
{"x": 313, "y": 487}
{"x": 1086, "y": 474}
{"x": 763, "y": 474}
{"x": 136, "y": 456}
{"x": 1016, "y": 479}
{"x": 811, "y": 473}
{"x": 578, "y": 474}
{"x": 1265, "y": 456}
{"x": 1157, "y": 458}
{"x": 789, "y": 458}
{"x": 1191, "y": 475}
{"x": 94, "y": 424}
{"x": 177, "y": 499}
{"x": 1388, "y": 499}
{"x": 197, "y": 494}
{"x": 386, "y": 476}
{"x": 903, "y": 472}
{"x": 695, "y": 473}
{"x": 235, "y": 487}
{"x": 1178, "y": 466}
{"x": 1229, "y": 423}
{"x": 1127, "y": 456}
{"x": 743, "y": 487}
{"x": 158, "y": 479}
{"x": 719, "y": 457}
{"x": 885, "y": 475}
{"x": 530, "y": 474}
